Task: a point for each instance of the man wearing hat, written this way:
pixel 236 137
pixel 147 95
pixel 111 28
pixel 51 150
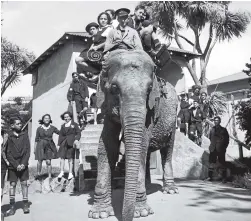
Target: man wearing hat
pixel 82 61
pixel 123 37
pixel 141 23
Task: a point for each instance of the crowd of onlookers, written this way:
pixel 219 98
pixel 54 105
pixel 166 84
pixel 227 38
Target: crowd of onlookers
pixel 192 114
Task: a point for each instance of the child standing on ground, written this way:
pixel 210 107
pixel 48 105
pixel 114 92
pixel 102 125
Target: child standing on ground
pixel 45 148
pixel 18 154
pixel 69 136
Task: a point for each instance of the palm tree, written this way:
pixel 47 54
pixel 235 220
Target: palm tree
pixel 222 24
pixel 13 60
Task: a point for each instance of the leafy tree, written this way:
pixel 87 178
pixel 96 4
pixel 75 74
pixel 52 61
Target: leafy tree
pixel 248 72
pixel 244 118
pixel 18 100
pixel 13 60
pixel 222 24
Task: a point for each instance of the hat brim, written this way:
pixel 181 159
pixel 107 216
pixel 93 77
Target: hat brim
pixel 88 27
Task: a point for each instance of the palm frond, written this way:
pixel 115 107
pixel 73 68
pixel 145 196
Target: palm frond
pixel 234 24
pixel 217 104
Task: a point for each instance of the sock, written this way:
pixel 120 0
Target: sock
pixel 12 199
pixel 25 199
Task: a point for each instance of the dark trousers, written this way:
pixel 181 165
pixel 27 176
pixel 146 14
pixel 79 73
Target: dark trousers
pixel 194 128
pixel 221 156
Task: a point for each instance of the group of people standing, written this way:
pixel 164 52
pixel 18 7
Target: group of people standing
pixel 16 153
pixel 191 118
pixel 192 114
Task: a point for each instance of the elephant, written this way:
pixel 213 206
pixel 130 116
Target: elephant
pixel 133 102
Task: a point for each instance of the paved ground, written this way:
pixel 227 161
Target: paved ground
pixel 197 201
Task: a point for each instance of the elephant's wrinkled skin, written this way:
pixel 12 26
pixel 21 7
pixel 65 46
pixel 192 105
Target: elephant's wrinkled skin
pixel 131 101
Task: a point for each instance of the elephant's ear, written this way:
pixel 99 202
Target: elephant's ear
pixel 154 94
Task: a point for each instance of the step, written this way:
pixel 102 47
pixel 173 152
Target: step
pixel 90 133
pixel 92 127
pixel 94 139
pixel 88 146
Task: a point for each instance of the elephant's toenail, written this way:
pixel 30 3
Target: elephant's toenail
pixel 95 216
pixel 103 215
pixel 136 214
pixel 171 191
pixel 144 213
pixel 90 214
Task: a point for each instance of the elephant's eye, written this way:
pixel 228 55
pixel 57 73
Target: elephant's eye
pixel 114 89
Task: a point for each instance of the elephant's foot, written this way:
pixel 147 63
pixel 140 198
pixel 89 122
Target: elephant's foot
pixel 100 211
pixel 142 210
pixel 170 188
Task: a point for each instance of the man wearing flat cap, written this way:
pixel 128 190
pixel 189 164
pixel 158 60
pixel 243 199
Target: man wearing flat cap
pixel 123 37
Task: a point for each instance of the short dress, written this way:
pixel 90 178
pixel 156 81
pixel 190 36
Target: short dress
pixel 67 136
pixel 46 148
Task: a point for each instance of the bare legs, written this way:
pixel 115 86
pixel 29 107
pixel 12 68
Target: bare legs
pixel 62 164
pixel 84 66
pixel 39 167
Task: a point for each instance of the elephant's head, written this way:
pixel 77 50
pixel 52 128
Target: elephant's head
pixel 131 85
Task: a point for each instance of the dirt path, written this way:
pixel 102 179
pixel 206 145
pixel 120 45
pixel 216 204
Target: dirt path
pixel 197 201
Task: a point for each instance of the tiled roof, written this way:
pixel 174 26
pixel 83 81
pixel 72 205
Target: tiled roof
pixel 81 34
pixel 182 51
pixel 229 78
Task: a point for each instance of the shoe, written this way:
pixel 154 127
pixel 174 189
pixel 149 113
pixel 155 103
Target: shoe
pixel 61 174
pixel 26 208
pixel 11 211
pixel 70 176
pixel 209 179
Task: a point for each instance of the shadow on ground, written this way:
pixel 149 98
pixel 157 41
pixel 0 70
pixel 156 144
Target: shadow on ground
pixel 18 205
pixel 207 192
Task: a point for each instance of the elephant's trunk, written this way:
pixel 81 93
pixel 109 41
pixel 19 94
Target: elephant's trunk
pixel 133 123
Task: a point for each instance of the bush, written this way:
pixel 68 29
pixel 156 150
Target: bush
pixel 244 118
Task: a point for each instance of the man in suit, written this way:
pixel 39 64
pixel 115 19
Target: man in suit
pixel 219 140
pixel 195 127
pixel 79 93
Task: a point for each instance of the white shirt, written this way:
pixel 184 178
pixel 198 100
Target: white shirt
pixel 68 124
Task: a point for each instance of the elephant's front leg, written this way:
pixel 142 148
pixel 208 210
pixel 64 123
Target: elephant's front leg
pixel 107 157
pixel 166 155
pixel 142 209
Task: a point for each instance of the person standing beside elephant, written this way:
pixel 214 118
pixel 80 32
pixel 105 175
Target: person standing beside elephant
pixel 45 148
pixel 79 93
pixel 219 140
pixel 184 115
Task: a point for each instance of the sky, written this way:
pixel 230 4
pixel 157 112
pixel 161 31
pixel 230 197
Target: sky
pixel 37 25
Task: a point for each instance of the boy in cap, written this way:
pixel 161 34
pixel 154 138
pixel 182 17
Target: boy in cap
pixel 140 22
pixel 18 154
pixel 82 61
pixel 123 37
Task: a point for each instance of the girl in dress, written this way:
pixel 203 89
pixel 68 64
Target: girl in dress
pixel 69 136
pixel 45 148
pixel 89 70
